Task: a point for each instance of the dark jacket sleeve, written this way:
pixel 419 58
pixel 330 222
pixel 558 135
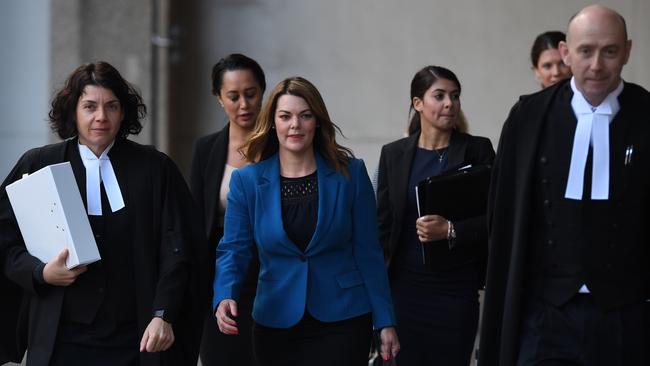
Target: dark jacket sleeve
pixel 473 231
pixel 197 177
pixel 18 265
pixel 384 211
pixel 183 248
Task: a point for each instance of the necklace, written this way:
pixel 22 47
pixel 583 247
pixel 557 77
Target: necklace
pixel 441 156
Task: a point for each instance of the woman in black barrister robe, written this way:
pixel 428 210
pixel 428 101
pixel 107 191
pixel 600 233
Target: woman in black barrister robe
pixel 140 304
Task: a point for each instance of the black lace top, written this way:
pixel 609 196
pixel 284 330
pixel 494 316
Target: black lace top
pixel 300 208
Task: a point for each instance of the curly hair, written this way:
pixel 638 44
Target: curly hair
pixel 264 141
pixel 62 115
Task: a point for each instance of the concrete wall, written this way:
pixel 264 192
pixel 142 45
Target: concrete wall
pixel 43 41
pixel 117 31
pixel 362 55
pixel 24 72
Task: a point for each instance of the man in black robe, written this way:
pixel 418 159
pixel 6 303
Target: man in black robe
pixel 569 213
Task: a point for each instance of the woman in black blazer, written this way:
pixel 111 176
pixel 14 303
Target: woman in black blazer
pixel 238 82
pixel 436 303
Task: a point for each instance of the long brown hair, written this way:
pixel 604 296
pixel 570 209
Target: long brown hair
pixel 264 141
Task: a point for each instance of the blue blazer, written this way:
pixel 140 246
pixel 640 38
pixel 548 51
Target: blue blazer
pixel 341 273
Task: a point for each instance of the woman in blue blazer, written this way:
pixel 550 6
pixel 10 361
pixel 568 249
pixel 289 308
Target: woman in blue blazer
pixel 307 205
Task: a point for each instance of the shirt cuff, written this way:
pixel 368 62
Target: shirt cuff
pixel 38 274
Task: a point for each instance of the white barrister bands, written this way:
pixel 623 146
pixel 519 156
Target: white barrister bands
pixel 100 170
pixel 592 128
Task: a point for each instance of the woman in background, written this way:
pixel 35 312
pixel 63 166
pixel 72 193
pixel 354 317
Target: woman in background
pixel 305 205
pixel 238 82
pixel 141 303
pixel 436 303
pixel 545 57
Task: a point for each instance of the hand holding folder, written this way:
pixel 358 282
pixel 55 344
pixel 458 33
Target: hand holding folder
pixel 455 195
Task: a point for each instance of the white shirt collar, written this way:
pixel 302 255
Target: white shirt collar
pixel 100 170
pixel 592 129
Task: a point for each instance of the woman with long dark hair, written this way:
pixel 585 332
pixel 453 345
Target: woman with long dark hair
pixel 436 303
pixel 238 84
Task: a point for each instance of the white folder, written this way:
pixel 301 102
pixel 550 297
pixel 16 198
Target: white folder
pixel 51 215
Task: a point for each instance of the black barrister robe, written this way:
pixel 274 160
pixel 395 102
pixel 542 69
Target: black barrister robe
pixel 169 255
pixel 617 253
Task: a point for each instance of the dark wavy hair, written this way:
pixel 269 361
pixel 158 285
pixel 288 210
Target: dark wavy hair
pixel 264 141
pixel 64 105
pixel 421 82
pixel 545 41
pixel 236 61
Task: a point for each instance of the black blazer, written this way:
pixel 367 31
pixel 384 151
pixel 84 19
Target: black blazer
pixel 392 195
pixel 208 165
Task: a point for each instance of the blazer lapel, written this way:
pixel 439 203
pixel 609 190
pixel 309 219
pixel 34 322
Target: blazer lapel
pixel 456 150
pixel 402 171
pixel 215 168
pixel 270 207
pixel 328 190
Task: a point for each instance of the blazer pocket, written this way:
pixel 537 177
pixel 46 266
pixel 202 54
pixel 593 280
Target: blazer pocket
pixel 349 279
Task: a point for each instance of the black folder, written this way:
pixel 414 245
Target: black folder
pixel 456 194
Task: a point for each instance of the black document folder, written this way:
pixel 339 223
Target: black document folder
pixel 456 194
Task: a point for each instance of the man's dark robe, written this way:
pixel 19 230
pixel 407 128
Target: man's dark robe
pixel 169 255
pixel 621 279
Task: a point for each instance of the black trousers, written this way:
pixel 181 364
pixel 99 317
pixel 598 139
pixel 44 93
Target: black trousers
pixel 67 354
pixel 314 343
pixel 218 349
pixel 581 333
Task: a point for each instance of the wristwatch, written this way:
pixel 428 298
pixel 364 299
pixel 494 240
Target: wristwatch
pixel 160 313
pixel 451 238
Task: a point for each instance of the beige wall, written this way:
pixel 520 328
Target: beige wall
pixel 362 55
pixel 24 78
pixel 116 31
